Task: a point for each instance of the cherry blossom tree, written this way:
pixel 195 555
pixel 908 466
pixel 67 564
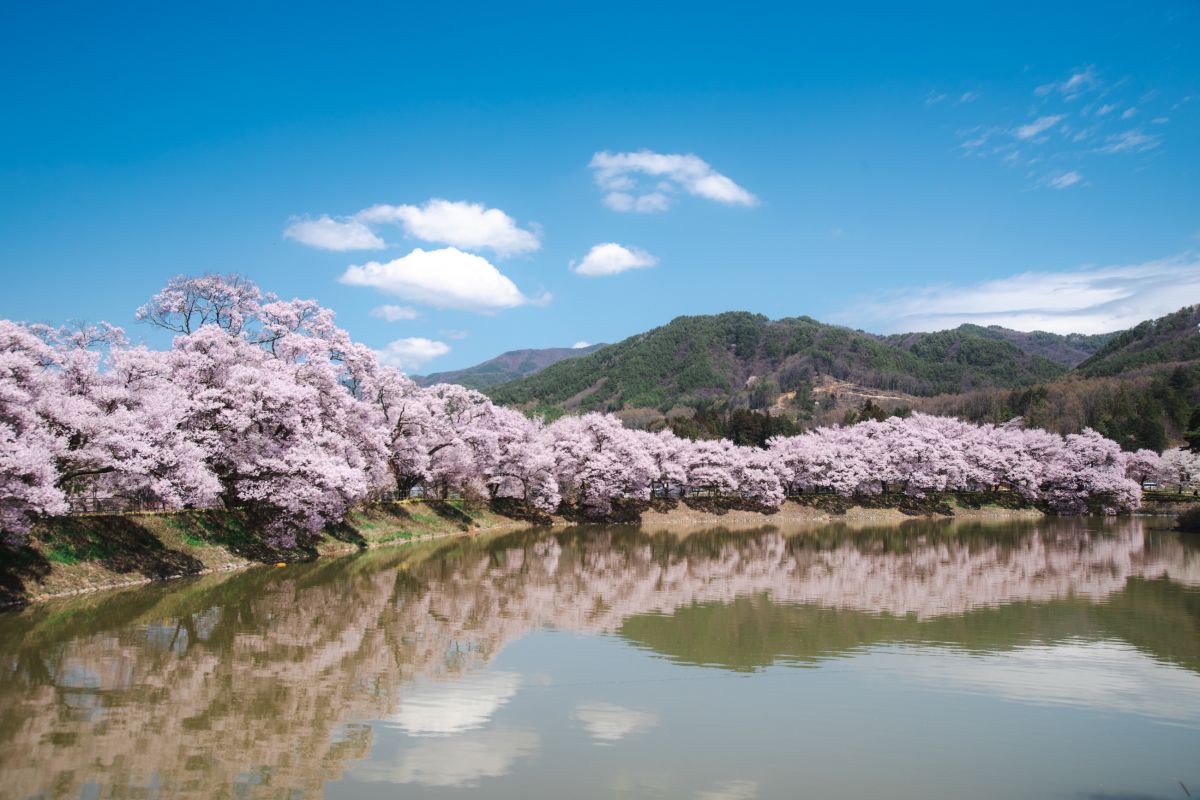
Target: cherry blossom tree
pixel 523 464
pixel 29 448
pixel 598 461
pixel 1090 468
pixel 670 455
pixel 1179 467
pixel 1143 466
pixel 186 304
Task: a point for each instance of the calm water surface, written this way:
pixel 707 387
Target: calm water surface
pixel 930 660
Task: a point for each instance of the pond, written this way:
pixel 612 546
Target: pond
pixel 926 660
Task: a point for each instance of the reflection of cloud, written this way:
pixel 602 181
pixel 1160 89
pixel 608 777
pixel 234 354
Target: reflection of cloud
pixel 1094 675
pixel 460 761
pixel 734 790
pixel 608 723
pixel 444 708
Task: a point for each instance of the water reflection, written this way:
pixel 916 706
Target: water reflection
pixel 271 683
pixel 608 722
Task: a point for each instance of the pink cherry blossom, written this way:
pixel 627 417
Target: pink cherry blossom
pixel 268 405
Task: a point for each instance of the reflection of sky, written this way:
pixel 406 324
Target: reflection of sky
pixel 1097 675
pixel 167 635
pixel 462 760
pixel 608 722
pixel 1077 718
pixel 445 707
pixel 734 790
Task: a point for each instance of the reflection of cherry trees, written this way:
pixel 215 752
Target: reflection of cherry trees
pixel 259 680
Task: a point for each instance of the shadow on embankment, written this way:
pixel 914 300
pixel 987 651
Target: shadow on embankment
pixel 68 554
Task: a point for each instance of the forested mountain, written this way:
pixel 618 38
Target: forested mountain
pixel 1172 339
pixel 505 367
pixel 1068 350
pixel 741 357
pixel 1137 386
pixel 1141 388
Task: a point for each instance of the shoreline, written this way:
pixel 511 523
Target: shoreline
pixel 74 556
pixel 77 555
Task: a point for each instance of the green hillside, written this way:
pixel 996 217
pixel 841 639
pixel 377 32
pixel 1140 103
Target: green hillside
pixel 1068 350
pixel 743 358
pixel 1172 339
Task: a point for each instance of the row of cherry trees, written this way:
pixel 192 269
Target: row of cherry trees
pixel 267 405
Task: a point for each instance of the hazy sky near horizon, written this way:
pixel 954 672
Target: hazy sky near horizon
pixel 459 180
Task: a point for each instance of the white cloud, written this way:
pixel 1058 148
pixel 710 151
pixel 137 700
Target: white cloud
pixel 446 278
pixel 616 173
pixel 933 98
pixel 1064 180
pixel 643 204
pixel 454 333
pixel 326 233
pixel 968 97
pixel 471 226
pixel 608 723
pixel 1073 119
pixel 395 313
pixel 444 708
pixel 1130 142
pixel 1091 300
pixel 460 761
pixel 1072 86
pixel 580 345
pixel 610 258
pixel 411 353
pixel 1038 126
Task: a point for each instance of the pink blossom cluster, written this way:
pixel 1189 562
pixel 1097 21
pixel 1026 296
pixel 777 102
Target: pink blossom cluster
pixel 925 453
pixel 267 405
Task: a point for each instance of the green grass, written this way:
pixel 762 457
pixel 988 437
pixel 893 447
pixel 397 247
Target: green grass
pixel 192 540
pixel 62 554
pixel 78 548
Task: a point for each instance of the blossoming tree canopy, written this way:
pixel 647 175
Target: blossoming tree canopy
pixel 268 405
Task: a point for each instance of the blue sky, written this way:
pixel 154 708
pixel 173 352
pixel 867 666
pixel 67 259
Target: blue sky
pixel 883 167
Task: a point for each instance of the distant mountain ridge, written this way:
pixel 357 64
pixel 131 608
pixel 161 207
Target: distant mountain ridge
pixel 1069 350
pixel 746 358
pixel 1174 338
pixel 505 367
pixel 1136 386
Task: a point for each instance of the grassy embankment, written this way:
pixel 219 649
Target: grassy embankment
pixel 66 555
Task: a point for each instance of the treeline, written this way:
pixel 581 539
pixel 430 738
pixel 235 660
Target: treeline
pixel 268 406
pixel 741 426
pixel 1147 411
